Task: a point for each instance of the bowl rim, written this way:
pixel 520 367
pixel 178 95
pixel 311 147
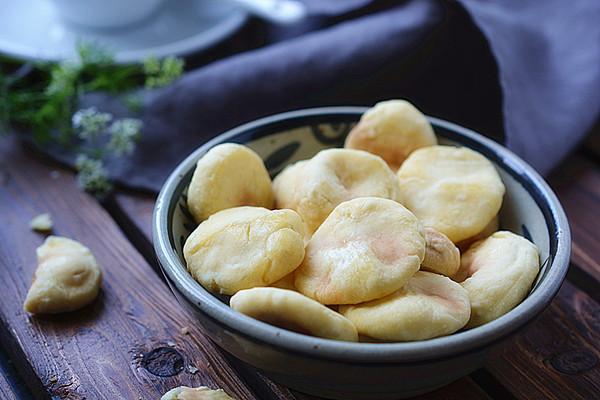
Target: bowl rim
pixel 461 342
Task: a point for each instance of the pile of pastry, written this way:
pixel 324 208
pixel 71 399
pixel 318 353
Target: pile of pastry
pixel 391 238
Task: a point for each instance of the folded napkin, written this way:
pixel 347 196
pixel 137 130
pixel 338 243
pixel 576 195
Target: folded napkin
pixel 523 73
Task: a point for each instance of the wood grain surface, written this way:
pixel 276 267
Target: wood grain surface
pixel 6 391
pixel 120 345
pixel 557 357
pixel 577 185
pixel 104 350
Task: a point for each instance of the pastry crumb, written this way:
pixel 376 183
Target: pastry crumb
pixel 42 222
pixel 185 330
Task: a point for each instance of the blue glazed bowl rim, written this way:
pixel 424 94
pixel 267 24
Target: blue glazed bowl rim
pixel 448 346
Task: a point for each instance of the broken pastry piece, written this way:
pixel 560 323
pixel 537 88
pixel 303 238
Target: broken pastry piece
pixel 199 393
pixel 392 129
pixel 441 255
pixel 67 277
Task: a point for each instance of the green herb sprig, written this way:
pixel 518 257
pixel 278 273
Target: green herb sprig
pixel 39 101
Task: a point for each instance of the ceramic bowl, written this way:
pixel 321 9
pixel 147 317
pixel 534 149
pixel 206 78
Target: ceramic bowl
pixel 335 369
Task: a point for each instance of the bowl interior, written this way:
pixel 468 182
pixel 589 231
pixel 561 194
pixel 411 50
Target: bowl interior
pixel 529 207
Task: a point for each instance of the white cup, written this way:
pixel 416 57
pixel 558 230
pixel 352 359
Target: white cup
pixel 105 13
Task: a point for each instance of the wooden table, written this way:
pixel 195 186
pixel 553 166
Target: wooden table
pixel 130 343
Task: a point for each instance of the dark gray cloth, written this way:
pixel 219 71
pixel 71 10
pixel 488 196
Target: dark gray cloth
pixel 524 73
pixel 548 55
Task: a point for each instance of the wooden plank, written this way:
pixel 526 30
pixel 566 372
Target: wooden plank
pixel 557 357
pixel 11 383
pixel 592 142
pixel 577 185
pixel 138 208
pixel 6 391
pixel 100 351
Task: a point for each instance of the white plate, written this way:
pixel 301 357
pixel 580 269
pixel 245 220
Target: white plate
pixel 31 29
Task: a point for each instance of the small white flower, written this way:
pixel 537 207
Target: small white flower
pixel 90 122
pixel 124 133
